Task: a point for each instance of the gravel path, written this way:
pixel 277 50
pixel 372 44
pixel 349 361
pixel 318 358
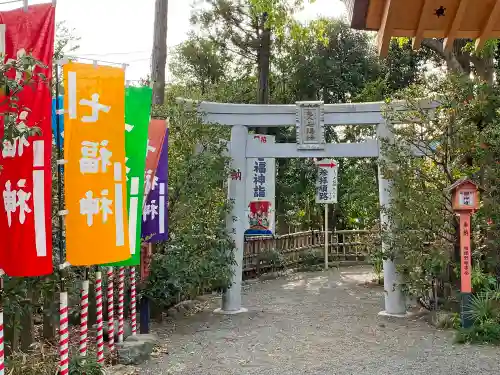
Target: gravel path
pixel 322 323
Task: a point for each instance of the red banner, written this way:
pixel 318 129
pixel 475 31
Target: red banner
pixel 25 180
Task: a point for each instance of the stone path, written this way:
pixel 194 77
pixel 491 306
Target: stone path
pixel 322 323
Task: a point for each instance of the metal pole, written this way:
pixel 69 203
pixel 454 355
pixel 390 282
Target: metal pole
pixel 144 316
pixel 133 301
pixel 111 312
pixel 84 313
pixel 326 236
pixel 144 306
pixel 121 302
pixel 63 296
pixel 2 349
pixel 99 318
pixel 63 334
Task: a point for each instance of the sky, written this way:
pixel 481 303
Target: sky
pixel 121 31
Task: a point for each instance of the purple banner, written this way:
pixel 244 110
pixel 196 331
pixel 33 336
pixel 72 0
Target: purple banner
pixel 155 212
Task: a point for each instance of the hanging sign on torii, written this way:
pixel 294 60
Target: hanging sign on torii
pixel 310 126
pixel 327 181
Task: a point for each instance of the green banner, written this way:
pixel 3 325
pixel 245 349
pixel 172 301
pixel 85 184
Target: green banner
pixel 137 115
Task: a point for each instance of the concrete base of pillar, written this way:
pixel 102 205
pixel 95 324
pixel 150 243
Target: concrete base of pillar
pixel 385 313
pixel 230 312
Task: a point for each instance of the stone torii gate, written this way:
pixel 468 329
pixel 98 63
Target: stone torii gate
pixel 310 119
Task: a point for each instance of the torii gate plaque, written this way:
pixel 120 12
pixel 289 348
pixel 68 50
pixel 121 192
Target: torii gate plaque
pixel 310 119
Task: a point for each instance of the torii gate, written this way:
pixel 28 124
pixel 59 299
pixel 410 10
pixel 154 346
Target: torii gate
pixel 310 119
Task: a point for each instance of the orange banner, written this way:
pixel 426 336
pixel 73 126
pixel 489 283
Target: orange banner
pixel 465 252
pixel 95 178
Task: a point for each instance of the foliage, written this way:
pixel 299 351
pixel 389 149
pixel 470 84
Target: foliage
pixel 445 320
pixel 458 138
pixel 272 258
pixel 311 260
pixel 85 366
pixel 39 362
pixel 484 311
pixel 198 255
pixel 17 75
pixel 199 62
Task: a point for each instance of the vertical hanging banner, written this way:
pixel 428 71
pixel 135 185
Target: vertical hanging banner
pixel 156 135
pixel 95 175
pixel 25 178
pixel 260 191
pixel 155 212
pixel 57 103
pixel 137 113
pixel 327 182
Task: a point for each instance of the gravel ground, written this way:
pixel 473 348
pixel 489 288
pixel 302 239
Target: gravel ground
pixel 318 323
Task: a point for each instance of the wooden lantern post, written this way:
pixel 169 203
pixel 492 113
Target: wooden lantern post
pixel 465 200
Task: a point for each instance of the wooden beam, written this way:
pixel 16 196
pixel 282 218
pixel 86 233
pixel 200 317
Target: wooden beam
pixel 455 25
pixel 488 27
pixel 384 33
pixel 419 34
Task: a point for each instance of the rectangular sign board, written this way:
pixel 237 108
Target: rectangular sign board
pixel 327 181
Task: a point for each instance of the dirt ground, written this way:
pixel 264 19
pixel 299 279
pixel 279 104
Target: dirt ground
pixel 314 323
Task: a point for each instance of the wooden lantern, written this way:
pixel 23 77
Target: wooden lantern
pixel 420 19
pixel 465 195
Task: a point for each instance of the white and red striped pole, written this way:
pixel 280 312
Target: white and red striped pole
pixel 111 312
pixel 121 302
pixel 133 301
pixel 99 318
pixel 2 345
pixel 2 352
pixel 63 334
pixel 84 313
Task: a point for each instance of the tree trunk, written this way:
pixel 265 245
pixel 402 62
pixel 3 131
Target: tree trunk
pixel 159 57
pixel 27 326
pixel 264 66
pixel 49 318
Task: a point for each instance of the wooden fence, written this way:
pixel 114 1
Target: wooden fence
pixel 264 254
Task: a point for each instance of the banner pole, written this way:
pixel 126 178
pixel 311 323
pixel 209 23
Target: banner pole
pixel 99 318
pixel 133 301
pixel 84 312
pixel 326 236
pixel 145 310
pixel 111 313
pixel 121 301
pixel 2 350
pixel 63 296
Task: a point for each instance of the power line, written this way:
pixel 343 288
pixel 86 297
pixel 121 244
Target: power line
pixel 114 53
pixel 10 2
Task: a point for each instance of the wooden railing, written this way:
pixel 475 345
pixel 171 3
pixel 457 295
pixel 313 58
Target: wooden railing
pixel 264 254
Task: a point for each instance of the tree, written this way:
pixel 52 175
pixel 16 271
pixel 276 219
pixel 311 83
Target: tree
pixel 245 31
pixel 465 122
pixel 200 63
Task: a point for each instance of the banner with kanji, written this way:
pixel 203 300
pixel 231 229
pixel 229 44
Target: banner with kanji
pixel 57 104
pixel 156 135
pixel 155 211
pixel 95 176
pixel 260 191
pixel 25 177
pixel 137 113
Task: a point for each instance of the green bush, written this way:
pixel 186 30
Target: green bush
pixel 484 311
pixel 198 255
pixel 273 258
pixel 310 260
pixel 486 332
